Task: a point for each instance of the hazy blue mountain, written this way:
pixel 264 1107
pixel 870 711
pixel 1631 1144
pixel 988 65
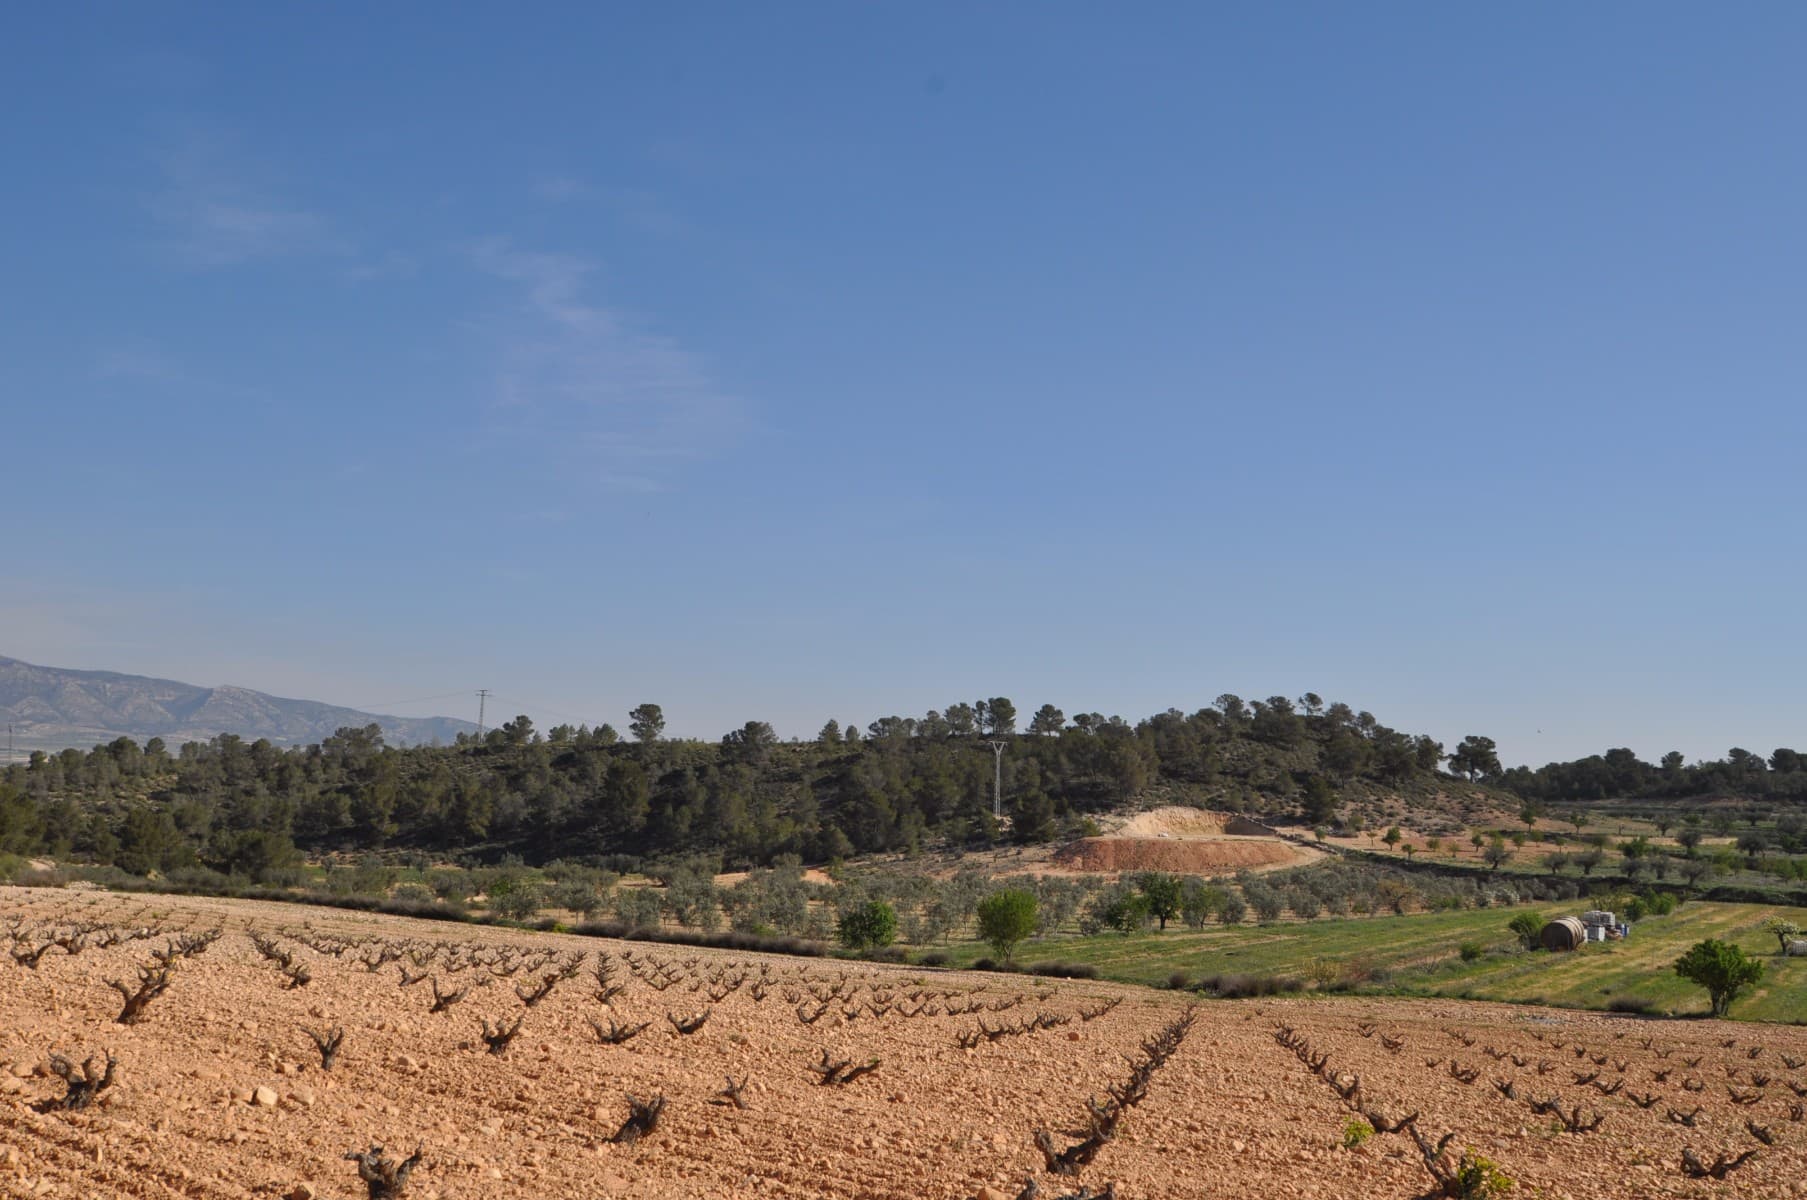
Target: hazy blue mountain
pixel 50 708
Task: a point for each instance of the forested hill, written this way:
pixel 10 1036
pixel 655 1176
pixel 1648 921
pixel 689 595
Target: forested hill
pixel 52 707
pixel 902 783
pixel 1780 777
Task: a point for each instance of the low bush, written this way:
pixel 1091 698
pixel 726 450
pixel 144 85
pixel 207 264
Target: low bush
pixel 1241 987
pixel 1064 970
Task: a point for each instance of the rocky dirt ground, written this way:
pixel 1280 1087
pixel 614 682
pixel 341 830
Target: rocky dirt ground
pixel 220 1095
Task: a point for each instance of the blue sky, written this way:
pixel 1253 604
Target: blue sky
pixel 798 361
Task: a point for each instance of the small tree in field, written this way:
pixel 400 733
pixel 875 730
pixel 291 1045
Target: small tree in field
pixel 1006 918
pixel 516 899
pixel 1785 930
pixel 1720 967
pixel 1162 891
pixel 867 926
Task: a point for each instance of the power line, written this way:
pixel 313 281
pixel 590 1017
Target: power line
pixel 482 700
pixel 997 795
pixel 412 700
pixel 545 708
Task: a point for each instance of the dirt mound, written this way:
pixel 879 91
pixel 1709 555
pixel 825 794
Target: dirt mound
pixel 1195 856
pixel 1179 822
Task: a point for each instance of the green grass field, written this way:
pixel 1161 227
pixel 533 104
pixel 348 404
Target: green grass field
pixel 1419 954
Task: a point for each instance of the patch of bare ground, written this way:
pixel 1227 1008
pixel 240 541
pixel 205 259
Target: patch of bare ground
pixel 841 1079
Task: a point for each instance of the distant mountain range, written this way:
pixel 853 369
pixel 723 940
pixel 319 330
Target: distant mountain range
pixel 50 708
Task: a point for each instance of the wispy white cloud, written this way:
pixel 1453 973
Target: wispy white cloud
pixel 578 374
pixel 214 211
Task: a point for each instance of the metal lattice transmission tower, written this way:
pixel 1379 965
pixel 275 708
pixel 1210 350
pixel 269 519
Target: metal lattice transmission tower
pixel 997 789
pixel 482 702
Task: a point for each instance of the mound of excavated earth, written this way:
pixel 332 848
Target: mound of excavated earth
pixel 219 1093
pixel 1193 857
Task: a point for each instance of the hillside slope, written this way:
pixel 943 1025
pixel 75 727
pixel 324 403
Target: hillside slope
pixel 51 708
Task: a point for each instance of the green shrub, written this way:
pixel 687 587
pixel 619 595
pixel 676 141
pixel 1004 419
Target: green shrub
pixel 1355 1133
pixel 1064 970
pixel 1471 951
pixel 1527 927
pixel 516 900
pixel 1720 967
pixel 579 894
pixel 1480 1178
pixel 867 926
pixel 1242 987
pixel 638 907
pixel 1005 918
pixel 451 885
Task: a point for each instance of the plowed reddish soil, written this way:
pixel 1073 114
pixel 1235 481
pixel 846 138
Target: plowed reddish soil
pixel 1232 1114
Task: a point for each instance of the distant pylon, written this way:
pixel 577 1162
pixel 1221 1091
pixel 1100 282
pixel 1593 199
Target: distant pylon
pixel 482 701
pixel 997 791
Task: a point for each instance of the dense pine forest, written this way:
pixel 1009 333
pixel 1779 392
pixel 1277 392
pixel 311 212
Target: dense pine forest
pixel 1620 774
pixel 900 784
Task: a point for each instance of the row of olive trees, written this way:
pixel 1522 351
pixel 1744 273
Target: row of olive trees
pixel 924 910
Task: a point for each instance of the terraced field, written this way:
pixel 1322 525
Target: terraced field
pixel 1420 953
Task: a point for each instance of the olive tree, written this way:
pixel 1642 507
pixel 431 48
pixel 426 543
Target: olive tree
pixel 1162 892
pixel 867 926
pixel 1785 931
pixel 1722 968
pixel 1006 917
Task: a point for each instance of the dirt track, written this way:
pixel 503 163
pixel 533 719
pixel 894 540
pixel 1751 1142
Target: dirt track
pixel 1233 1113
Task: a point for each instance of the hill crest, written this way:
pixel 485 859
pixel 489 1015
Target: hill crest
pixel 51 708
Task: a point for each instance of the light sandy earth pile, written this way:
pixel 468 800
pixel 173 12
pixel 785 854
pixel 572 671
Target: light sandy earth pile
pixel 220 1094
pixel 1182 840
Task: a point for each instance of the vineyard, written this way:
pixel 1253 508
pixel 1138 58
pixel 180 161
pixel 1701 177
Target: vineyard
pixel 220 1050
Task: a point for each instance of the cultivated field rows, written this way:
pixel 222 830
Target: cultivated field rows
pixel 220 1092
